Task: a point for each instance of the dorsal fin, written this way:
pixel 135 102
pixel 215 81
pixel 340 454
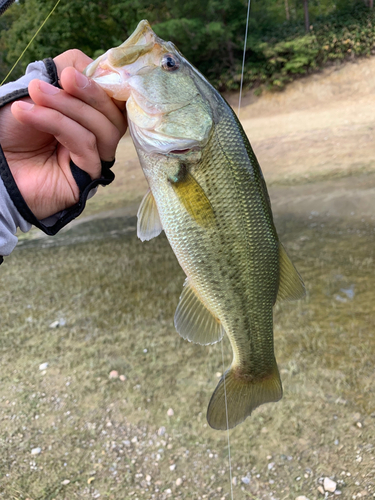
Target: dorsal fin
pixel 149 224
pixel 193 321
pixel 291 286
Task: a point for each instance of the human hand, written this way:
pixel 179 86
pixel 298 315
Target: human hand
pixel 41 134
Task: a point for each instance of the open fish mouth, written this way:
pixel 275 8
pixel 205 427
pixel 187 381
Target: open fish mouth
pixel 141 52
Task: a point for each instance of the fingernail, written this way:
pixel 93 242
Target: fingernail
pixel 46 88
pixel 25 105
pixel 81 80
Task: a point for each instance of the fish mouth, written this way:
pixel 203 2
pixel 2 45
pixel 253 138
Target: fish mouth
pixel 115 68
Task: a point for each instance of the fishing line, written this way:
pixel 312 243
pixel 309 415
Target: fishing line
pixel 226 414
pixel 31 41
pixel 222 348
pixel 243 57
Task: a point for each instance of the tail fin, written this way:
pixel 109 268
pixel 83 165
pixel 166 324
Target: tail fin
pixel 243 395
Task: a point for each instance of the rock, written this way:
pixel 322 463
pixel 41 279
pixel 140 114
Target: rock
pixel 54 324
pixel 122 378
pixel 172 467
pixel 113 374
pixel 168 491
pixel 178 481
pixel 65 482
pixel 245 480
pixel 218 374
pixel 161 431
pixel 43 366
pixel 148 478
pixel 170 412
pixel 234 481
pixel 271 465
pixel 135 439
pixel 302 497
pixel 321 490
pixel 36 451
pixel 329 485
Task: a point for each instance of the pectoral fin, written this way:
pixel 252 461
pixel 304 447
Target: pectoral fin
pixel 149 224
pixel 193 321
pixel 194 199
pixel 291 286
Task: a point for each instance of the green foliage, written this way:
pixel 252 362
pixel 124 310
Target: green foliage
pixel 210 33
pixel 278 59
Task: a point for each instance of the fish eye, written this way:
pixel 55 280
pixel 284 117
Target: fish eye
pixel 170 62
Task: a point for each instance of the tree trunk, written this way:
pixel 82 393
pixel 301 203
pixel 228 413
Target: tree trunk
pixel 371 4
pixel 287 13
pixel 307 20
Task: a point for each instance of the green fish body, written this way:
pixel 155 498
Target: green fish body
pixel 208 194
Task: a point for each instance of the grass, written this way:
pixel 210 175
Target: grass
pixel 112 439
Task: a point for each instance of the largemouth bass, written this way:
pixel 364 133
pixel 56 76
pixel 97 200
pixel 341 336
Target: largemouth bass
pixel 208 194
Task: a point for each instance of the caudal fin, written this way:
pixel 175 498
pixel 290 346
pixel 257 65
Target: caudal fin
pixel 243 395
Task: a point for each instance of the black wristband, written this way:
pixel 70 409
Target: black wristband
pixel 84 183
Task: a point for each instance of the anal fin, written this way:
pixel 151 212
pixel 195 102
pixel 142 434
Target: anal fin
pixel 193 321
pixel 149 225
pixel 291 286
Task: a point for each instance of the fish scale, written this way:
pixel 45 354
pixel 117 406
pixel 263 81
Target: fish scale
pixel 208 194
pixel 231 247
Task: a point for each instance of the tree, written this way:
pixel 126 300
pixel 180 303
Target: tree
pixel 307 20
pixel 287 13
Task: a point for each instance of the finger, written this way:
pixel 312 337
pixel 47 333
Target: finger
pixel 106 133
pixel 85 89
pixel 80 61
pixel 80 142
pixel 73 57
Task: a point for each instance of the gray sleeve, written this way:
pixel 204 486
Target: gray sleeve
pixel 10 218
pixel 34 70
